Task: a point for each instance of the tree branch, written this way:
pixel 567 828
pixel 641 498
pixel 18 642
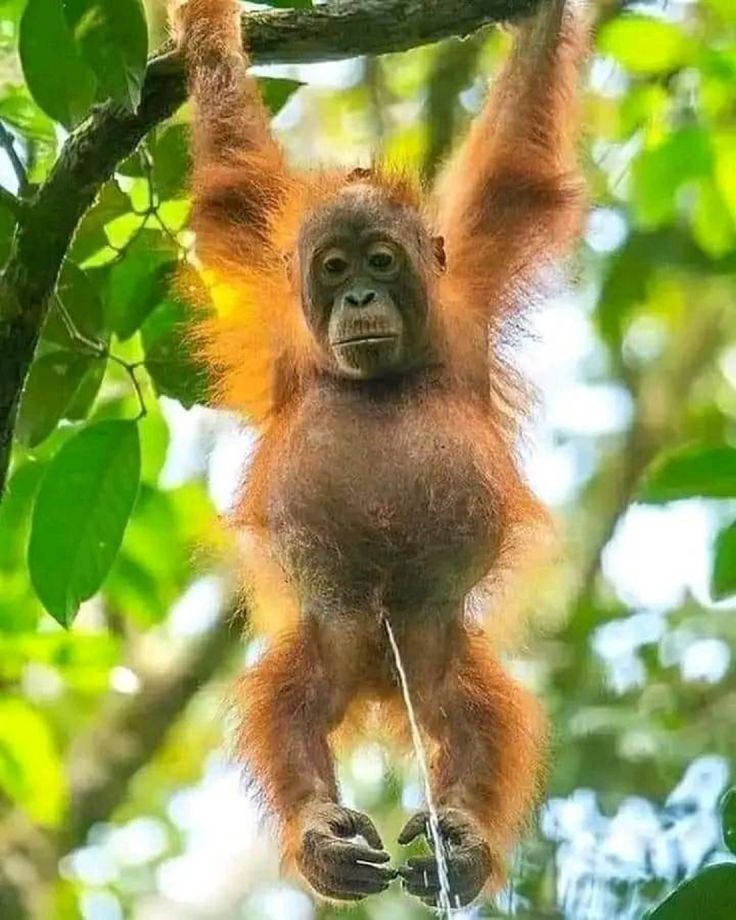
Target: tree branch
pixel 129 730
pixel 91 153
pixel 9 201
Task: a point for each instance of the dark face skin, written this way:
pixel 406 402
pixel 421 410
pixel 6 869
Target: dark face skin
pixel 364 296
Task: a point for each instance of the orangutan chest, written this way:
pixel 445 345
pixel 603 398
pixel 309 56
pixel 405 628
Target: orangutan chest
pixel 382 501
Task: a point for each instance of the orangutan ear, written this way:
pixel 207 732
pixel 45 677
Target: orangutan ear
pixel 438 246
pixel 360 174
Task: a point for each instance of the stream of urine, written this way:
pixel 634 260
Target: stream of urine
pixel 444 903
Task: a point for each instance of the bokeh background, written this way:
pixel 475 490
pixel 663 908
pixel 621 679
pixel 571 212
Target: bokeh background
pixel 117 798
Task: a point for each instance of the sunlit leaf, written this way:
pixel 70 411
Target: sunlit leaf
pixel 725 9
pixel 713 224
pixel 82 659
pixel 112 38
pixel 31 771
pixel 59 80
pixel 695 472
pixel 643 107
pixel 81 513
pixel 90 237
pixel 724 146
pixel 18 109
pixel 175 213
pixel 644 45
pixel 154 444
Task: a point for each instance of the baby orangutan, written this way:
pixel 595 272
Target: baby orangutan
pixel 365 332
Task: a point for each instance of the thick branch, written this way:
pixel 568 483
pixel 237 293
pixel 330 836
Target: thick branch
pixel 91 153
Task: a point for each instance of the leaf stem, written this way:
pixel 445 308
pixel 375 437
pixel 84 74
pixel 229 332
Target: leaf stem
pixel 130 369
pixel 101 351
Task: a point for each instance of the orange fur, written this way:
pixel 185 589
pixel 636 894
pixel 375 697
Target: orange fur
pixel 508 203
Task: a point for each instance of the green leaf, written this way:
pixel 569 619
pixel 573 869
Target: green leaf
pixel 695 472
pixel 112 38
pixel 31 770
pixel 18 109
pixel 83 659
pixel 724 147
pixel 711 895
pixel 59 80
pixel 52 384
pixel 91 237
pixel 82 304
pixel 15 514
pixel 276 92
pixel 169 357
pixel 643 45
pixel 728 818
pixel 170 150
pixel 79 297
pixel 139 282
pixel 81 513
pixel 154 564
pixel 659 174
pixel 713 225
pixel 632 271
pixel 723 579
pixel 85 397
pixel 154 434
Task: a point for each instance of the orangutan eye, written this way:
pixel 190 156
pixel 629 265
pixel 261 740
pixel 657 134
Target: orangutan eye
pixel 383 260
pixel 334 266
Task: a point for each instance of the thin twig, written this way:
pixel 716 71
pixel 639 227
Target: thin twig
pixel 154 202
pixel 130 369
pixel 101 351
pixel 98 349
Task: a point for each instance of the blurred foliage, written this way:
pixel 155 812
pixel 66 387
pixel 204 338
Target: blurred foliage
pixel 110 513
